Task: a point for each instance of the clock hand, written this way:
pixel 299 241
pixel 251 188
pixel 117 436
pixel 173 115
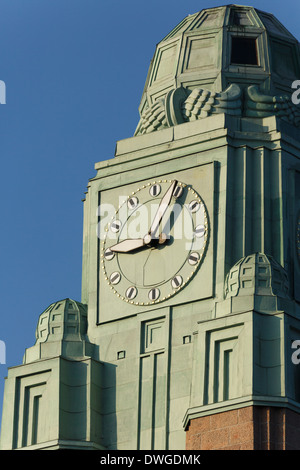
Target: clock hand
pixel 163 206
pixel 126 246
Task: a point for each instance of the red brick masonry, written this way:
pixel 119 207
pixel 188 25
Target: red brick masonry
pixel 249 428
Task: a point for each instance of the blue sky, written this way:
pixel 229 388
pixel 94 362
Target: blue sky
pixel 74 72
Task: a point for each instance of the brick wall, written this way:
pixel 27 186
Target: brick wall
pixel 249 428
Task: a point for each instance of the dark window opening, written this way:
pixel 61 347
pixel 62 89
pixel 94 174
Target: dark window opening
pixel 243 51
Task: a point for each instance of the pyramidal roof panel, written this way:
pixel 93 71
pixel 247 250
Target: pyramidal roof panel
pixel 273 25
pixel 182 27
pixel 234 15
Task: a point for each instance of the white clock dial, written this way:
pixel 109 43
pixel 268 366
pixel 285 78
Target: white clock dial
pixel 155 242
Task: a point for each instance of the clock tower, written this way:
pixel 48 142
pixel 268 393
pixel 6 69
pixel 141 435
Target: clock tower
pixel 186 333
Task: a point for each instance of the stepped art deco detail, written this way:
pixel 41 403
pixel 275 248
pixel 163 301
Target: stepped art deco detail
pixel 185 333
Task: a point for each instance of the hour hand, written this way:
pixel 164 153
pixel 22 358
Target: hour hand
pixel 125 246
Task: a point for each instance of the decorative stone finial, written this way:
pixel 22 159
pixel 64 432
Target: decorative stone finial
pixel 258 274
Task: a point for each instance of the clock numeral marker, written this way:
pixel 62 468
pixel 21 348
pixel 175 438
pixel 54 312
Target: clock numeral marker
pixel 131 293
pixel 178 191
pixel 132 202
pixel 154 294
pixel 108 254
pixel 194 206
pixel 115 278
pixel 155 190
pixel 200 231
pixel 115 226
pixel 194 258
pixel 176 282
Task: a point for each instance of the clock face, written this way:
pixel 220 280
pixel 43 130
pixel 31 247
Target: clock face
pixel 155 242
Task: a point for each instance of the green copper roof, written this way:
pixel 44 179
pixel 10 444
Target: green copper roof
pixel 228 15
pixel 230 59
pixel 215 48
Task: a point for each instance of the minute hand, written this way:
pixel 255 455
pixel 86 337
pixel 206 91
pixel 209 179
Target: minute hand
pixel 164 204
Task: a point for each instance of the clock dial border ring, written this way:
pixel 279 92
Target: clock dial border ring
pixel 198 253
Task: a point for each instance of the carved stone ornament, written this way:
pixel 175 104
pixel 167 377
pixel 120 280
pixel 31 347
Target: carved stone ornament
pixel 182 105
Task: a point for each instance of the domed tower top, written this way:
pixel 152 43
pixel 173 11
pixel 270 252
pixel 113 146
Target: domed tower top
pixel 61 330
pixel 258 274
pixel 217 47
